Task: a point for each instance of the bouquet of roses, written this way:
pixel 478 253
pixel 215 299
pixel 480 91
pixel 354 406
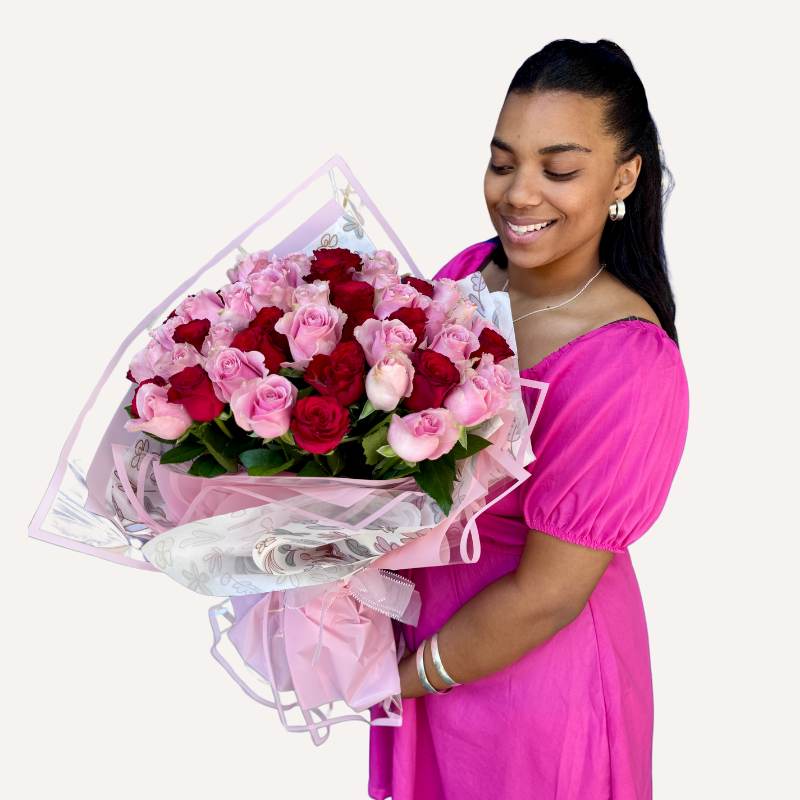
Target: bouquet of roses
pixel 289 439
pixel 322 366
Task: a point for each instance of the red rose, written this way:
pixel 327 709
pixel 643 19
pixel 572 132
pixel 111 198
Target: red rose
pixel 319 423
pixel 193 388
pixel 490 341
pixel 434 376
pixel 413 318
pixel 356 299
pixel 193 332
pixel 261 335
pixel 423 287
pixel 333 264
pixel 157 380
pixel 340 374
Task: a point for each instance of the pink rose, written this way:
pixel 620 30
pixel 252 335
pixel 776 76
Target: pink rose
pixel 181 356
pixel 316 292
pixel 310 329
pixel 463 312
pixel 219 335
pixel 455 341
pixel 446 295
pixel 390 379
pixel 238 307
pixel 399 295
pixel 299 261
pixel 264 405
pixel 422 435
pixel 379 269
pixel 501 380
pixel 378 336
pixel 204 305
pixel 275 284
pixel 249 264
pixel 471 401
pixel 143 363
pixel 157 415
pixel 229 368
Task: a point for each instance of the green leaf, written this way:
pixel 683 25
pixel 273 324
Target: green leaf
pixel 372 441
pixel 288 437
pixel 183 452
pixel 367 410
pixel 129 409
pixel 216 442
pixel 262 462
pixel 386 450
pixel 335 462
pixel 462 437
pixel 312 470
pixel 289 372
pixel 437 478
pixel 474 445
pixel 305 392
pixel 206 467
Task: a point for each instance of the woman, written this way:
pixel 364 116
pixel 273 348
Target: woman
pixel 546 632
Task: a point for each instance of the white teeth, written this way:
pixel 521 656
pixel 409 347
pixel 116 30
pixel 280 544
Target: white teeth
pixel 526 228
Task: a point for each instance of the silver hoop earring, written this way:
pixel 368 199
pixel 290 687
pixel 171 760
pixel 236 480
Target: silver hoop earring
pixel 616 211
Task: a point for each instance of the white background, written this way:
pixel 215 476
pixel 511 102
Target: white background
pixel 139 138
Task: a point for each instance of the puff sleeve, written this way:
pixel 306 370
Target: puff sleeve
pixel 609 437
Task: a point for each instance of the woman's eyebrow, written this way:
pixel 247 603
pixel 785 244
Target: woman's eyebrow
pixel 566 147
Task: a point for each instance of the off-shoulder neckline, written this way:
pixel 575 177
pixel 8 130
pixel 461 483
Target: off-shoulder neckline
pixel 632 320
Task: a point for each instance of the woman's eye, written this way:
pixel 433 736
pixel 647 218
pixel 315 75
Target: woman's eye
pixel 558 176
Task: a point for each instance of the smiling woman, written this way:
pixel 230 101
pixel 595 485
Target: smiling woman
pixel 545 636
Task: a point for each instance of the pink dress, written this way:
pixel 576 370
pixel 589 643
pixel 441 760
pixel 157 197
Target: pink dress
pixel 573 718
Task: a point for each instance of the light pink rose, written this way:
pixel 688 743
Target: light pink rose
pixel 463 312
pixel 501 380
pixel 264 405
pixel 143 364
pixel 219 335
pixel 379 269
pixel 163 333
pixel 312 328
pixel 446 296
pixel 478 323
pixel 299 261
pixel 379 336
pixel 238 307
pixel 471 401
pixel 230 367
pixel 399 295
pixel 455 341
pixel 390 379
pixel 275 284
pixel 316 292
pixel 422 435
pixel 181 356
pixel 249 264
pixel 157 415
pixel 204 305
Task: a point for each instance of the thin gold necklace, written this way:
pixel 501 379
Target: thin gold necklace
pixel 550 308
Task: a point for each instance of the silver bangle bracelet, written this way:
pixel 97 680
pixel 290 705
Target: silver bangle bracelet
pixel 429 687
pixel 437 662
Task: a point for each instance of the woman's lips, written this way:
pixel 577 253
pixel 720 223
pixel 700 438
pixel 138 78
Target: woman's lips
pixel 526 238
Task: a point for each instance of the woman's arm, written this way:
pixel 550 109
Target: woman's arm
pixel 513 614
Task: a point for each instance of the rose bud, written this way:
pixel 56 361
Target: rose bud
pixel 390 379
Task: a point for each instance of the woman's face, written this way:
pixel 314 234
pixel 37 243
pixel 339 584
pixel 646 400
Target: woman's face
pixel 550 160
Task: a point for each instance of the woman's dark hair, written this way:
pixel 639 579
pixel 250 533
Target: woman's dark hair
pixel 633 247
